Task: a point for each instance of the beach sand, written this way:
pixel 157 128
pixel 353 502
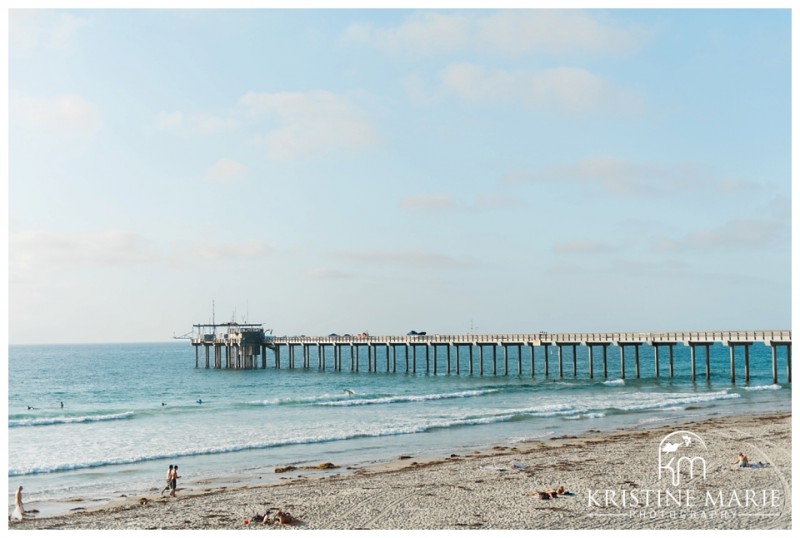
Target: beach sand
pixel 495 489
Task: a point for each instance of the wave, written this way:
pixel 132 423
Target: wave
pixel 582 416
pixel 406 398
pixel 595 407
pixel 531 438
pixel 674 400
pixel 301 400
pixel 401 430
pixel 764 387
pixel 48 421
pixel 614 382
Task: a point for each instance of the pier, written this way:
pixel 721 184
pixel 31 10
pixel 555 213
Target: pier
pixel 249 346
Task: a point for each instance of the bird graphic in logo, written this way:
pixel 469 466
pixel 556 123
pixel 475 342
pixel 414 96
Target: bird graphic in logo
pixel 681 451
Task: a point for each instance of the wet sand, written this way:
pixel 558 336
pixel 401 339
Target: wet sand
pixel 613 477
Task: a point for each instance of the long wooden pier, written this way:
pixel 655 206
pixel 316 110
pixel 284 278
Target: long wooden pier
pixel 240 346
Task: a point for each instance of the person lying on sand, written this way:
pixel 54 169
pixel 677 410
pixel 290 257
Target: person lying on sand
pixel 284 518
pixel 262 518
pixel 278 518
pixel 553 493
pixel 741 461
pixel 548 494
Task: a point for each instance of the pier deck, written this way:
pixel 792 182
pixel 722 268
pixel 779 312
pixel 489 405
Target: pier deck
pixel 241 344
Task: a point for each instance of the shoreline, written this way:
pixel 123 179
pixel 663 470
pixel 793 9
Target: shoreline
pixel 496 488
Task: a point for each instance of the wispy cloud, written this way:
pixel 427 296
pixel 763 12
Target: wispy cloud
pixel 63 113
pixel 226 171
pixel 326 272
pixel 32 30
pixel 310 123
pixel 623 177
pixel 567 90
pixel 508 32
pixel 37 251
pixel 422 33
pixel 734 234
pixel 545 31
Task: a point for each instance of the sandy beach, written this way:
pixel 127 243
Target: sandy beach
pixel 613 478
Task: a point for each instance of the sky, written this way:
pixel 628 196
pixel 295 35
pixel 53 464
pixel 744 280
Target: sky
pixel 347 170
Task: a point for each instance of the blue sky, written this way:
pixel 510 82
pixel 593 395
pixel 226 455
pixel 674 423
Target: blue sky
pixel 385 170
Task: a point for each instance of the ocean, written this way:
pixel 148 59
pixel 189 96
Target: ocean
pixel 131 410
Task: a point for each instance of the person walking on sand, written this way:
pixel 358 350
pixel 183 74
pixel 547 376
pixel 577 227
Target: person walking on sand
pixel 19 508
pixel 169 481
pixel 174 484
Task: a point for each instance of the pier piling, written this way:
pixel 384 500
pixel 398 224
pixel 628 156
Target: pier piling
pixel 240 345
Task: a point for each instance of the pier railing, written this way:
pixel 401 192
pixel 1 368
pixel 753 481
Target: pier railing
pixel 239 348
pixel 540 338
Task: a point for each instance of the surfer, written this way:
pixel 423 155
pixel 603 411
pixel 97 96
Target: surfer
pixel 199 401
pixel 349 392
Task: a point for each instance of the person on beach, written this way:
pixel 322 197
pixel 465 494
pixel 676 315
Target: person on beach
pixel 19 508
pixel 742 461
pixel 174 483
pixel 169 481
pixel 284 518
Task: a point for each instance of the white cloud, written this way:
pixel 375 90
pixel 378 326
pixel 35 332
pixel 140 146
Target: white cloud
pixel 423 33
pixel 37 251
pixel 623 177
pixel 508 32
pixel 567 90
pixel 227 171
pixel 555 32
pixel 309 123
pixel 38 29
pixel 325 272
pixel 735 234
pixel 69 113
